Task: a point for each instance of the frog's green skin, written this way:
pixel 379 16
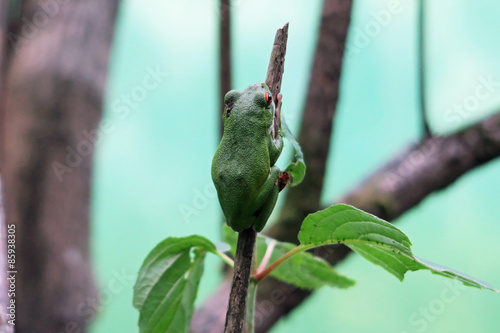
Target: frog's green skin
pixel 243 169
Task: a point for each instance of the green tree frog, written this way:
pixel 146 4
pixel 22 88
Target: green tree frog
pixel 243 170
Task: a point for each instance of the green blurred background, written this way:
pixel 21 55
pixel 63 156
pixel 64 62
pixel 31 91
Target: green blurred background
pixel 152 176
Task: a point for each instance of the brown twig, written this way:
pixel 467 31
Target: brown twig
pixel 235 317
pixel 224 56
pixel 277 62
pixel 421 53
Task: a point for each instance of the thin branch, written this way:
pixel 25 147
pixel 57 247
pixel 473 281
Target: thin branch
pixel 269 269
pixel 224 56
pixel 421 50
pixel 277 62
pixel 267 257
pixel 224 257
pixel 235 317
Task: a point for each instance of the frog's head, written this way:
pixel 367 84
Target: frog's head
pixel 252 105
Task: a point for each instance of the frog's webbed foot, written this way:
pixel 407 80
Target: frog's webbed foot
pixel 283 180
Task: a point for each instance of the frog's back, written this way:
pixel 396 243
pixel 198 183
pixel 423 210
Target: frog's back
pixel 239 171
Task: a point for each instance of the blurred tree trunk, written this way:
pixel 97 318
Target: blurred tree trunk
pixel 54 96
pixel 5 327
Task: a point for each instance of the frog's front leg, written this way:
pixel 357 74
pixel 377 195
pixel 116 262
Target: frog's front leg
pixel 264 203
pixel 275 148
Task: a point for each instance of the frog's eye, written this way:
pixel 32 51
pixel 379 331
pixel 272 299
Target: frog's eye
pixel 228 107
pixel 269 98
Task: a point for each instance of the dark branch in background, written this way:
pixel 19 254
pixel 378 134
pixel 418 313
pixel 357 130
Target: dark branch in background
pixel 224 56
pixel 429 166
pixel 54 96
pixel 422 84
pixel 315 140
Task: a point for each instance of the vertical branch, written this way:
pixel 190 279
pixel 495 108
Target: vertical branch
pixel 277 62
pixel 236 309
pixel 224 56
pixel 421 50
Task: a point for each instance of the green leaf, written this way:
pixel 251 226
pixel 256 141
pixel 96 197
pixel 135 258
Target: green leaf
pixel 296 169
pixel 376 240
pixel 167 284
pixel 303 270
